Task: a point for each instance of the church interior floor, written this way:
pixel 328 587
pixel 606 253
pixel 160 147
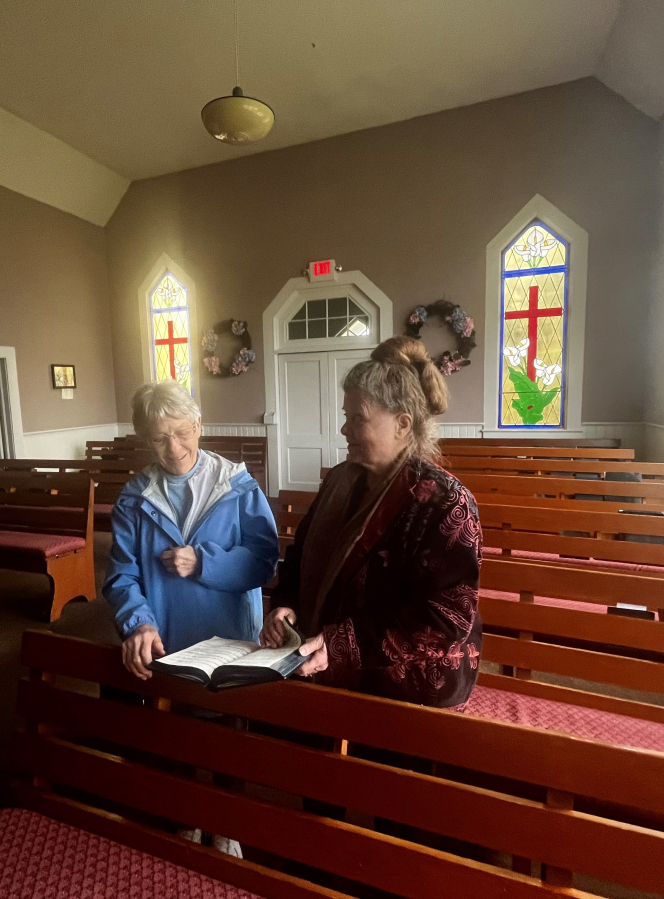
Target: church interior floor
pixel 23 604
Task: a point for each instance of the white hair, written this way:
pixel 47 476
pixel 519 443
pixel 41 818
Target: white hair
pixel 158 400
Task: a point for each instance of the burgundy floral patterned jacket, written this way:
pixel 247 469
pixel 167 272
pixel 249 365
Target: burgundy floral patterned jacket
pixel 401 618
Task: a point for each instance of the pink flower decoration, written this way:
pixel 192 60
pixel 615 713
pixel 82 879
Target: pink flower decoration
pixel 468 326
pixel 212 365
pixel 424 490
pixel 414 319
pixel 449 365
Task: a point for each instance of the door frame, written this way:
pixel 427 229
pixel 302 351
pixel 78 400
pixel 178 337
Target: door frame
pixel 330 383
pixel 274 343
pixel 8 353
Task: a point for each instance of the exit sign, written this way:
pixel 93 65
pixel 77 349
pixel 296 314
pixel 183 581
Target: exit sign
pixel 322 271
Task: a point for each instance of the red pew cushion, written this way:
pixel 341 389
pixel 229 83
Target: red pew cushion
pixel 43 858
pixel 44 545
pixel 620 730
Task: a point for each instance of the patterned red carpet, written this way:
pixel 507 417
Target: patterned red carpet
pixel 501 705
pixel 43 859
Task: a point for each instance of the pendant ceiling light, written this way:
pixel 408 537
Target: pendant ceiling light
pixel 237 119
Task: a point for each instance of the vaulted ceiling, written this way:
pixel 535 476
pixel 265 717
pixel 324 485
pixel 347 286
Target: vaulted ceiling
pixel 123 82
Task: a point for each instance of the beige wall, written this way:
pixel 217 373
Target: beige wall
pixel 54 308
pixel 654 400
pixel 413 206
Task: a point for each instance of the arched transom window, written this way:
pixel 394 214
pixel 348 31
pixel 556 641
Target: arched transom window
pixel 534 279
pixel 335 317
pixel 171 349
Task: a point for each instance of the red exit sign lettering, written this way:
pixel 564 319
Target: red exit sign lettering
pixel 322 271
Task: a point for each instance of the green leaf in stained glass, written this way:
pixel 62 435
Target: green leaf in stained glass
pixel 532 400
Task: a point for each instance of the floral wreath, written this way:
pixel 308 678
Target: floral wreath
pixel 241 360
pixel 461 324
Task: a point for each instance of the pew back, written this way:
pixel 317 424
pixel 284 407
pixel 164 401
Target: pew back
pixel 515 466
pixel 650 492
pixel 574 532
pixel 250 450
pixel 595 442
pixel 540 452
pixel 57 504
pixel 567 803
pixel 536 529
pixel 109 475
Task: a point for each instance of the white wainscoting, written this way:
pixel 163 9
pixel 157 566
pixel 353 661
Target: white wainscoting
pixel 467 430
pixel 212 430
pixel 64 443
pixel 234 430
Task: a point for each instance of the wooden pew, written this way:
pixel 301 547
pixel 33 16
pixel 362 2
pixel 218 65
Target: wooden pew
pixel 538 452
pixel 564 802
pixel 534 530
pixel 541 530
pixel 530 641
pixel 250 450
pixel 112 470
pixel 458 464
pixel 563 580
pixel 46 527
pixel 109 476
pixel 596 442
pixel 608 495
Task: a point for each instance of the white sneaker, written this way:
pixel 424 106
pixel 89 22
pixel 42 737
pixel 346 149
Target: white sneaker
pixel 193 835
pixel 230 847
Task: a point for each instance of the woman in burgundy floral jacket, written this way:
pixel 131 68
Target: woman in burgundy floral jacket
pixel 383 573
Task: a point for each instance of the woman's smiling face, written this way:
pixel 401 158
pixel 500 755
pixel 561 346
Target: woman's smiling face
pixel 174 441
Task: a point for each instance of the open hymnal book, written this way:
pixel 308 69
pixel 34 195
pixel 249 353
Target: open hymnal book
pixel 220 663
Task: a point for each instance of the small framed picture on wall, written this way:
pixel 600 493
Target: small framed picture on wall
pixel 63 376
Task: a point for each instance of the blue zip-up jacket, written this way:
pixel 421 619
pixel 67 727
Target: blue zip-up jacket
pixel 233 532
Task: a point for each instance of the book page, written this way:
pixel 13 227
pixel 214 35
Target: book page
pixel 210 654
pixel 270 658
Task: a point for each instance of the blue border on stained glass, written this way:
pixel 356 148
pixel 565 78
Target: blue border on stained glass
pixel 517 274
pixel 154 312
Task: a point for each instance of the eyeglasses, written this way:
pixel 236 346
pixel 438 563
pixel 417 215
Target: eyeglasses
pixel 179 436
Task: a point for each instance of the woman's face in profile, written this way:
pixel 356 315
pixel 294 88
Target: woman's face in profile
pixel 375 438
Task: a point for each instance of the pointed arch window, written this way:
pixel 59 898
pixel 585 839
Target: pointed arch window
pixel 171 333
pixel 534 298
pixel 534 325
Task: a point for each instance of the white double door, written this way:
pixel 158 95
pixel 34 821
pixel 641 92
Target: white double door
pixel 311 414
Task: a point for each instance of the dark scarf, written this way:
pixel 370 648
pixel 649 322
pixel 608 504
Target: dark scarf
pixel 345 508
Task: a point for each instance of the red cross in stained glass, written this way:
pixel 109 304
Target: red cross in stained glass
pixel 171 342
pixel 533 313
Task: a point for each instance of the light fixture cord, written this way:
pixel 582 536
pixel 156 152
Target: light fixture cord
pixel 237 51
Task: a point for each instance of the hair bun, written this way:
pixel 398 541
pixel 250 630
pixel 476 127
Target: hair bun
pixel 411 352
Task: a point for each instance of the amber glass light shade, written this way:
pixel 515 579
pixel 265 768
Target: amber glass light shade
pixel 237 119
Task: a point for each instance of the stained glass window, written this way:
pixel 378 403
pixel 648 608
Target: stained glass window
pixel 535 272
pixel 333 317
pixel 171 350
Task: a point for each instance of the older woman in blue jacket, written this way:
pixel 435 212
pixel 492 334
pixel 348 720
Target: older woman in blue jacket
pixel 194 539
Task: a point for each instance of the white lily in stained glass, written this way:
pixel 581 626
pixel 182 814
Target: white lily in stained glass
pixel 536 246
pixel 181 371
pixel 547 373
pixel 514 354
